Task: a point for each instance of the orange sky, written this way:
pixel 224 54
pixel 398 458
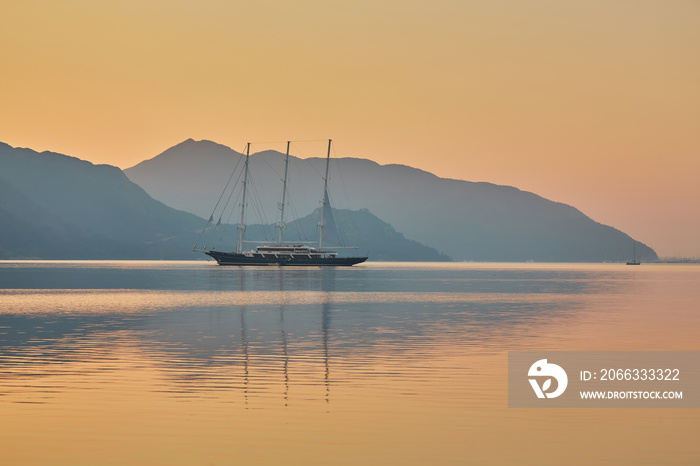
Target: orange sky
pixel 591 103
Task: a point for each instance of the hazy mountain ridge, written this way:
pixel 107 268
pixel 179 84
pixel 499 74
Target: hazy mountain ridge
pixel 466 220
pixel 27 227
pixel 95 197
pixel 59 207
pixel 54 206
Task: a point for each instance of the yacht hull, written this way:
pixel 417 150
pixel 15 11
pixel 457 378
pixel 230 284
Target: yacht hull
pixel 232 258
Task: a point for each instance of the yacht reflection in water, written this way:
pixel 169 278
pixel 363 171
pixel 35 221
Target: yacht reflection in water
pixel 283 335
pixel 259 350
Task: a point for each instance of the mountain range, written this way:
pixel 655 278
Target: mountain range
pixel 467 221
pixel 53 206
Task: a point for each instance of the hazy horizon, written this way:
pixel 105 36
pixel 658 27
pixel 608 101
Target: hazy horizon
pixel 593 104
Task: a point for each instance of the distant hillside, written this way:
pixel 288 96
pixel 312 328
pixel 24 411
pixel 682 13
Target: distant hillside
pixel 57 207
pixel 28 230
pixel 465 220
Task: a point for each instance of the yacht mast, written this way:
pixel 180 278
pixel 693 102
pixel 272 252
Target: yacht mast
pixel 241 224
pixel 323 201
pixel 281 224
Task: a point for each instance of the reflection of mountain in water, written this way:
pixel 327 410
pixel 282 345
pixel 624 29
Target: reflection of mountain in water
pixel 350 321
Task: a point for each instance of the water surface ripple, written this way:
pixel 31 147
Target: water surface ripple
pixel 383 363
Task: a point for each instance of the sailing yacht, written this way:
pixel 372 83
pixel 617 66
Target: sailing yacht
pixel 285 254
pixel 634 260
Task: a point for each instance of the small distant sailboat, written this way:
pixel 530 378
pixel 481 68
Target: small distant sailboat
pixel 634 260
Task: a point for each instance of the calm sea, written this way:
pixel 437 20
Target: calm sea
pixel 382 363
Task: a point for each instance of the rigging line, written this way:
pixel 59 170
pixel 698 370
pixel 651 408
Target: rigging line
pixel 259 147
pixel 211 216
pixel 285 141
pixel 256 201
pixel 300 188
pixel 297 223
pixel 296 149
pixel 343 188
pixel 209 238
pixel 253 200
pixel 236 202
pixel 233 189
pixel 306 159
pixel 259 215
pixel 199 239
pixel 264 220
pixel 218 223
pixel 243 150
pixel 335 164
pixel 336 220
pixel 271 167
pixel 227 222
pixel 354 230
pixel 338 228
pixel 253 149
pixel 226 187
pixel 314 168
pixel 351 220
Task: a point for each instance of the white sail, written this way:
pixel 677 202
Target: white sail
pixel 330 229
